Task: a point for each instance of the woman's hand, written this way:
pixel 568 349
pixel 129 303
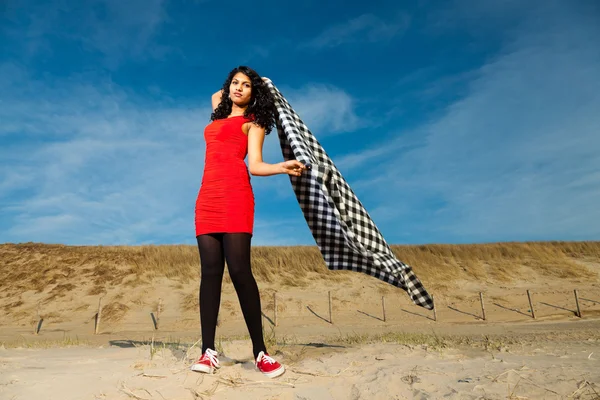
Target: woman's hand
pixel 292 167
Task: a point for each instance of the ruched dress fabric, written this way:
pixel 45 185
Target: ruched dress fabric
pixel 225 202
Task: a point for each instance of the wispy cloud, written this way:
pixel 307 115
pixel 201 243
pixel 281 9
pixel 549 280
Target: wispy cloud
pixel 117 30
pixel 288 230
pixel 100 164
pixel 91 163
pixel 402 143
pixel 325 109
pixel 364 28
pixel 516 158
pixel 125 28
pixel 493 137
pixel 483 16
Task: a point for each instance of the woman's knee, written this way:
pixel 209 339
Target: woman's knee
pixel 241 276
pixel 214 270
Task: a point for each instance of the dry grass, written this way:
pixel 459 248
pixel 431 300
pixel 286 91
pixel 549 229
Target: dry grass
pixel 11 307
pixel 500 261
pixel 231 307
pixel 114 312
pixel 495 343
pixel 57 270
pixel 189 302
pixel 66 341
pixel 53 317
pixel 83 307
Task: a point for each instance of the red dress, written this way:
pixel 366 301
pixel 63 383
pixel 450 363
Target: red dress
pixel 225 202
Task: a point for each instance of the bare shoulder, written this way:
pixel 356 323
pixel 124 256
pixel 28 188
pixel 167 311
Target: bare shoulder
pixel 252 126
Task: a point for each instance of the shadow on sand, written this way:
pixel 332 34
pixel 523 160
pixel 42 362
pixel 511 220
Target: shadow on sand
pixel 369 315
pixel 268 318
pixel 512 309
pixel 317 315
pixel 558 307
pixel 417 314
pixel 466 313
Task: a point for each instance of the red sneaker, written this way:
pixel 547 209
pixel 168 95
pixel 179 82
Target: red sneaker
pixel 207 363
pixel 268 366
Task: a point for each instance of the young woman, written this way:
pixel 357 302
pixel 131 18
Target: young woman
pixel 243 113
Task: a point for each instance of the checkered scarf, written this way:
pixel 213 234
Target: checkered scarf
pixel 345 234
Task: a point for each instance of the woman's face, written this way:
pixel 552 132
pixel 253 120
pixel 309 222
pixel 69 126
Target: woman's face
pixel 240 90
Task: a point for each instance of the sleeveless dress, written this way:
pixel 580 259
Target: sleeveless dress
pixel 225 202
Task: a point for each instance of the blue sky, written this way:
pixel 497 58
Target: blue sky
pixel 453 121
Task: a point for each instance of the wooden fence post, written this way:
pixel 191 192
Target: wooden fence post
pixel 40 320
pixel 330 317
pixel 383 306
pixel 577 303
pixel 275 309
pixel 158 311
pixel 434 312
pixel 530 304
pixel 482 305
pixel 98 316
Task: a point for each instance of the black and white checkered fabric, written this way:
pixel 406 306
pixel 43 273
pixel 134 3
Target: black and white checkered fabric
pixel 345 234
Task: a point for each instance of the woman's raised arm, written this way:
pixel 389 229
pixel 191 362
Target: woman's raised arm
pixel 216 99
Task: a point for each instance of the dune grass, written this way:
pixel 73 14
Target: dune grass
pixel 56 270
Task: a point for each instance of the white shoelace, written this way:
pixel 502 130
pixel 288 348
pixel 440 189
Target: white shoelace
pixel 266 358
pixel 212 356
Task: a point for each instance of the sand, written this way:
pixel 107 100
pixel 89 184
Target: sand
pixel 315 370
pixel 409 355
pixel 510 355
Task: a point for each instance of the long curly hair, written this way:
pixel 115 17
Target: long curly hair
pixel 261 108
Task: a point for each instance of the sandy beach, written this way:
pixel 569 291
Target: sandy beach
pixel 148 334
pixel 514 366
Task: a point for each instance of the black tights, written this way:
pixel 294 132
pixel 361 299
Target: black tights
pixel 234 248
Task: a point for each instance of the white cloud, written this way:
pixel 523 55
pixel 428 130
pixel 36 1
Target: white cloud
pixel 126 29
pixel 364 28
pixel 325 109
pixel 370 156
pixel 517 157
pixel 86 163
pixel 116 29
pixel 97 164
pixel 287 231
